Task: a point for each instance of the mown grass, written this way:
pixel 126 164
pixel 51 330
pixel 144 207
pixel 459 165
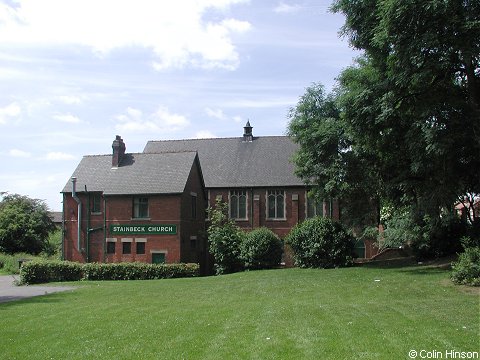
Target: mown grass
pixel 355 313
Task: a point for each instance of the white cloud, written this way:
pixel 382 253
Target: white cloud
pixel 215 113
pixel 59 156
pixel 67 118
pixel 220 115
pixel 160 121
pixel 176 31
pixel 10 111
pixel 283 8
pixel 69 100
pixel 19 153
pixel 205 134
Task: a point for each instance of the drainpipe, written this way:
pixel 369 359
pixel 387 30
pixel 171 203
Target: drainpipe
pixel 79 225
pixel 104 228
pixel 63 227
pixel 87 241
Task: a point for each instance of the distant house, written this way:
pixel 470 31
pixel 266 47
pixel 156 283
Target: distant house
pixel 56 217
pixel 123 201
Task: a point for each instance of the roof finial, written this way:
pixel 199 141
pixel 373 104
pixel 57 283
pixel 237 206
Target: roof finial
pixel 247 132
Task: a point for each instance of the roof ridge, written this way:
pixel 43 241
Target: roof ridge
pixel 144 153
pixel 169 152
pixel 218 138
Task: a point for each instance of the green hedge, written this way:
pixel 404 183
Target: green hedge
pixel 36 272
pixel 138 271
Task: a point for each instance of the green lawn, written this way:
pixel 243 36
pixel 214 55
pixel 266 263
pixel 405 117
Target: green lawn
pixel 355 313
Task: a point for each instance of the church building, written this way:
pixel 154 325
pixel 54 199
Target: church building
pixel 151 206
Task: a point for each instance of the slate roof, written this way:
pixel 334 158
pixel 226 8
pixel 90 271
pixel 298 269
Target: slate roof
pixel 165 173
pixel 231 162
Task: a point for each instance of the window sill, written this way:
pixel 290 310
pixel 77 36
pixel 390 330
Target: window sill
pixel 240 220
pixel 272 219
pixel 96 213
pixel 141 219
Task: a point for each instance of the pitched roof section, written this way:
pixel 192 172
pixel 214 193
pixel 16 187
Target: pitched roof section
pixel 165 173
pixel 232 162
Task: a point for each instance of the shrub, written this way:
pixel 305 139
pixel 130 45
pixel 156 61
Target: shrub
pixel 138 271
pixel 321 243
pixel 440 237
pixel 224 240
pixel 466 271
pixel 37 271
pixel 261 249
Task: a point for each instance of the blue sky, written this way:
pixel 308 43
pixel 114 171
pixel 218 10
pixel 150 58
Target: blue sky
pixel 73 74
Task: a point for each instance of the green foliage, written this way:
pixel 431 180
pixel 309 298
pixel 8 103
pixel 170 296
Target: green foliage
pixel 439 237
pixel 25 225
pixel 411 104
pixel 138 271
pixel 261 249
pixel 9 263
pixel 321 243
pixel 326 159
pixel 466 271
pixel 224 240
pixel 403 126
pixel 53 245
pixel 400 230
pixel 428 237
pixel 36 272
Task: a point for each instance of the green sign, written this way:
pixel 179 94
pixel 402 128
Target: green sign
pixel 134 229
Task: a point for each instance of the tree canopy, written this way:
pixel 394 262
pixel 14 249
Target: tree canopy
pixel 25 224
pixel 406 121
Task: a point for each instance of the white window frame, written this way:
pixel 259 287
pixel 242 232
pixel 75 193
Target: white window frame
pixel 277 193
pixel 230 195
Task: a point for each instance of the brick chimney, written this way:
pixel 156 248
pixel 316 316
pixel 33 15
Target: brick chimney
pixel 118 147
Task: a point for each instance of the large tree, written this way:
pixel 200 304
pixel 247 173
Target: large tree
pixel 408 110
pixel 25 224
pixel 412 100
pixel 328 158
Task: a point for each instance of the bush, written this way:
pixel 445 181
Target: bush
pixel 466 271
pixel 321 243
pixel 224 240
pixel 261 249
pixel 138 271
pixel 36 272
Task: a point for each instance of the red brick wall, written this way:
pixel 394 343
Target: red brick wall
pixel 163 209
pixel 295 201
pixel 193 239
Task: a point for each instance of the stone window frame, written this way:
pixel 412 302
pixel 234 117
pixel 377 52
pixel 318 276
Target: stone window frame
pixel 277 194
pixel 235 193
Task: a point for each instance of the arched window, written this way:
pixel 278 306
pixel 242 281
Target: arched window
pixel 276 204
pixel 238 204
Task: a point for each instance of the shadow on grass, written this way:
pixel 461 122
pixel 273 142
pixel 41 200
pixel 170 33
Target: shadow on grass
pixel 7 302
pixel 409 265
